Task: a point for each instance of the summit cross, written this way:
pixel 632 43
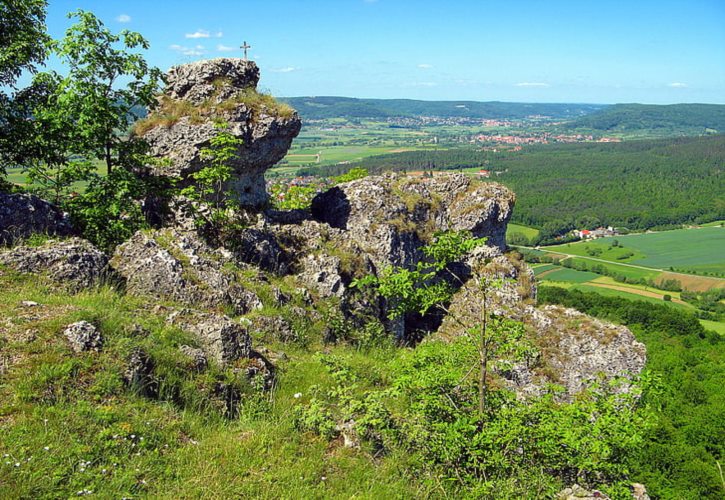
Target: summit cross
pixel 245 47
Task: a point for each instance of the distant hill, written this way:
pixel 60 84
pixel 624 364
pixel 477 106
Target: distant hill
pixel 316 108
pixel 629 117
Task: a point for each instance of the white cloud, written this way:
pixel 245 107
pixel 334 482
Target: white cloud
pixel 425 66
pixel 677 85
pixel 532 84
pixel 197 50
pixel 288 69
pixel 124 18
pixel 219 34
pixel 198 34
pixel 225 48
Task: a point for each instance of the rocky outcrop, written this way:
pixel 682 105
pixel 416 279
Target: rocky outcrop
pixel 577 350
pixel 202 93
pixel 74 263
pixel 180 266
pixel 222 339
pixel 572 349
pixel 83 336
pixel 391 216
pixel 22 215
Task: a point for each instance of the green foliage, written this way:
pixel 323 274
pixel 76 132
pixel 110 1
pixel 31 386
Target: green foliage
pixel 677 458
pixel 100 109
pixel 285 197
pixel 417 290
pixel 428 411
pixel 109 211
pixel 209 182
pixel 352 175
pixel 23 40
pixel 674 117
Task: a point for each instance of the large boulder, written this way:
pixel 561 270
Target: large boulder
pixel 392 216
pixel 73 263
pixel 221 338
pixel 22 215
pixel 178 265
pixel 571 349
pixel 200 94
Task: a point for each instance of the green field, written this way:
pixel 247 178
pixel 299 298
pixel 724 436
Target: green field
pixel 529 232
pixel 698 250
pixel 600 249
pixel 715 326
pixel 570 275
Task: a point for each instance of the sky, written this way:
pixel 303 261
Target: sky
pixel 583 51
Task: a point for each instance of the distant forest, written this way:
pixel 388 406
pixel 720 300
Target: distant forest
pixel 674 117
pixel 637 185
pixel 318 108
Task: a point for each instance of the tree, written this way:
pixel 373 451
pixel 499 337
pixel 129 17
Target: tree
pixel 431 285
pixel 23 45
pixel 208 188
pixel 23 40
pixel 92 93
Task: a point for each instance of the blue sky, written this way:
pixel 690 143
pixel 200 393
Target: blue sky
pixel 662 52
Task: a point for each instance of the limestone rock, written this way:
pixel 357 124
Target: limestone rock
pixel 222 89
pixel 274 326
pixel 22 215
pixel 260 248
pixel 74 263
pixel 574 349
pixel 223 339
pixel 83 336
pixel 577 349
pixel 197 357
pixel 179 265
pixel 323 274
pixel 576 492
pixel 139 373
pixel 197 81
pixel 391 216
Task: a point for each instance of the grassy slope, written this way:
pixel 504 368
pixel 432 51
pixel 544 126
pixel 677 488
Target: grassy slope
pixel 102 438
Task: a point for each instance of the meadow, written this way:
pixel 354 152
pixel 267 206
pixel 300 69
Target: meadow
pixel 699 250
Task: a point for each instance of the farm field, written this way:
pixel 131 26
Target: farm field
pixel 697 250
pixel 529 232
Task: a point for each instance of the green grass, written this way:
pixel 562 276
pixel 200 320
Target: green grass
pixel 529 232
pixel 571 276
pixel 599 249
pixel 70 425
pixel 608 292
pixel 697 250
pixel 715 326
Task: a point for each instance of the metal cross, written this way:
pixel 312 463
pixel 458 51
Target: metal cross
pixel 245 47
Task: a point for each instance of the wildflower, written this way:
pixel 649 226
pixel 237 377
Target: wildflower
pixel 298 395
pixel 46 448
pixel 17 464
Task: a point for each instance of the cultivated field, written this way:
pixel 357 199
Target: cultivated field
pixel 697 250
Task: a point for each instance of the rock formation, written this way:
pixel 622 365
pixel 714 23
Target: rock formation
pixel 74 263
pixel 22 215
pixel 178 265
pixel 203 93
